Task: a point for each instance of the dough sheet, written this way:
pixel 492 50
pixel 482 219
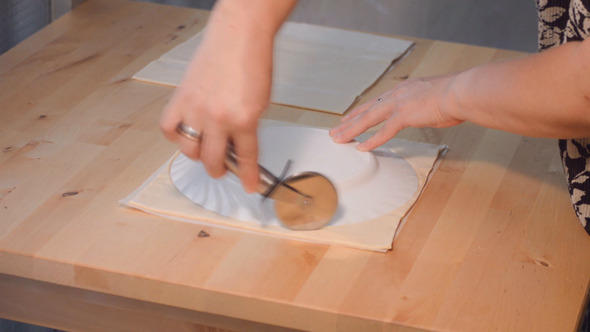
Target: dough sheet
pixel 375 191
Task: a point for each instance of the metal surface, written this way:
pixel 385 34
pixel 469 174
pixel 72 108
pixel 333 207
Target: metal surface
pixel 188 132
pixel 505 24
pixel 305 201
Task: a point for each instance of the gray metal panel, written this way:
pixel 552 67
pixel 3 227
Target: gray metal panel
pixel 20 19
pixel 507 24
pixel 201 4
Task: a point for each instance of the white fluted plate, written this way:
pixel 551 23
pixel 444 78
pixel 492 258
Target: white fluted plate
pixel 369 184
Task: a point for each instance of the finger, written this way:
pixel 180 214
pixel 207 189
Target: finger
pixel 359 124
pixel 246 145
pixel 189 139
pixel 345 121
pixel 389 130
pixel 189 147
pixel 170 117
pixel 337 131
pixel 213 149
pixel 359 109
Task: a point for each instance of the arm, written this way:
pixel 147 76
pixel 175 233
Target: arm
pixel 227 85
pixel 543 95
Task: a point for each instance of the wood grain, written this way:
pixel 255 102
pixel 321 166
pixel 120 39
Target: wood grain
pixel 492 244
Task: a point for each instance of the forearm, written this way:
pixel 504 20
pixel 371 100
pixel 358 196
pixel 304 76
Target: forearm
pixel 544 95
pixel 239 37
pixel 258 18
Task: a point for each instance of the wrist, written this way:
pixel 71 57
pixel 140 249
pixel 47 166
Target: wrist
pixel 241 32
pixel 262 18
pixel 455 101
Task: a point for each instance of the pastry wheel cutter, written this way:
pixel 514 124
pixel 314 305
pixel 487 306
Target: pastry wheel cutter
pixel 303 201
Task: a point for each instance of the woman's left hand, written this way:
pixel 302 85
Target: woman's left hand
pixel 413 103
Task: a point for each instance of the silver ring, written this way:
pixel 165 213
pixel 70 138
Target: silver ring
pixel 379 100
pixel 188 132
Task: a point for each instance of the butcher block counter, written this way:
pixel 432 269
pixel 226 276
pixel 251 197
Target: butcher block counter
pixel 492 243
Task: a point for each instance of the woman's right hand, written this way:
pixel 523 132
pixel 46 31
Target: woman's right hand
pixel 227 87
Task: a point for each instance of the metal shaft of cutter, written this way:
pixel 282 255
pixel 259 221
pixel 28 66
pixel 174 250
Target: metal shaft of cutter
pixel 267 182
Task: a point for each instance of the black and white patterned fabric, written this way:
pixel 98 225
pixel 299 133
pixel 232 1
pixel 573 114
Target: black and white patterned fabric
pixel 561 21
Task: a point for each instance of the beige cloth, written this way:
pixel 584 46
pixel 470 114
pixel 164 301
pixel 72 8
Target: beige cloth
pixel 158 195
pixel 315 67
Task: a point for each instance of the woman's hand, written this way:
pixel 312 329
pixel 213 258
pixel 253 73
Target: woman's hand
pixel 224 92
pixel 541 95
pixel 413 103
pixel 227 87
